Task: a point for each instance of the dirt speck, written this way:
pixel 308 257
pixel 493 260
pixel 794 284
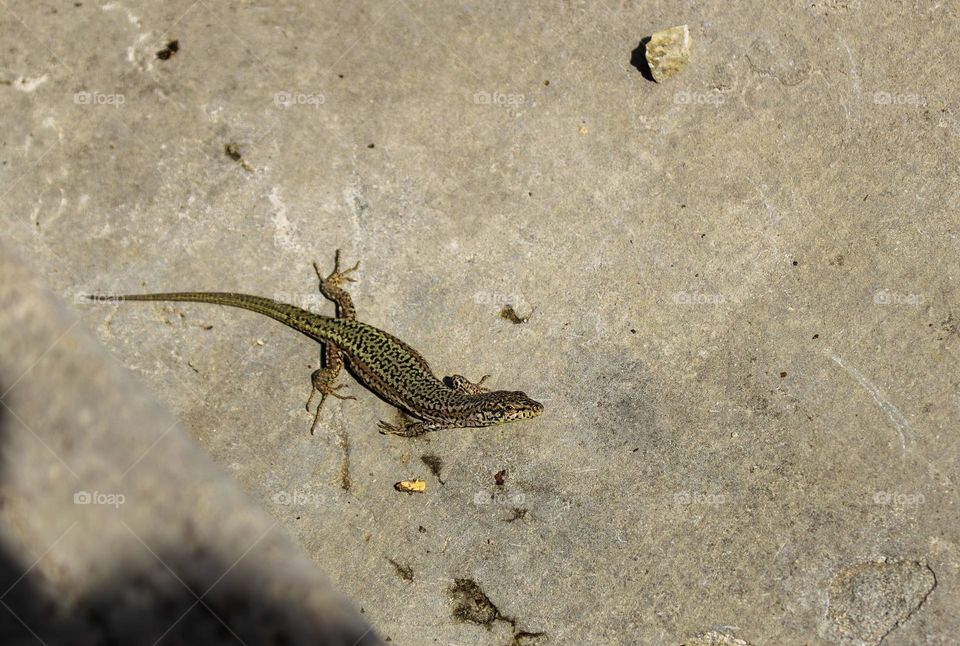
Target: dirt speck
pixel 405 572
pixel 172 48
pixel 511 315
pixel 232 150
pixel 471 604
pixel 524 638
pixel 517 513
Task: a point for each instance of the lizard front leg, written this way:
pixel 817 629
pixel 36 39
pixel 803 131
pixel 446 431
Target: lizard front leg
pixel 330 288
pixel 412 429
pixel 464 385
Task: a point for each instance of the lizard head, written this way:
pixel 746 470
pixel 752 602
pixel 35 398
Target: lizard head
pixel 501 406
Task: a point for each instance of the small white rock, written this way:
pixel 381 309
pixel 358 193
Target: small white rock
pixel 668 52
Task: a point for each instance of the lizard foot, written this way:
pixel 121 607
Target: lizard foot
pixel 413 429
pixel 330 287
pixel 325 388
pixel 336 276
pixel 464 385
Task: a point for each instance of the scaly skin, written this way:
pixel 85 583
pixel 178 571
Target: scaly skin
pixel 386 365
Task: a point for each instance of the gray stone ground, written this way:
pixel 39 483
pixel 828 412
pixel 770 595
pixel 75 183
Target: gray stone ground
pixel 115 528
pixel 741 289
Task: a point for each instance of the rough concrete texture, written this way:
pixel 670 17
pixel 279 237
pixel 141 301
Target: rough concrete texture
pixel 741 288
pixel 115 526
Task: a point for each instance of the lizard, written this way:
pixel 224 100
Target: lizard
pixel 381 362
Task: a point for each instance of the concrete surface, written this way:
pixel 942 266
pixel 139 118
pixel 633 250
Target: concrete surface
pixel 741 287
pixel 115 526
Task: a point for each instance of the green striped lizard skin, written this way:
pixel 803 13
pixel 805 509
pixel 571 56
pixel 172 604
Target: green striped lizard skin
pixel 387 366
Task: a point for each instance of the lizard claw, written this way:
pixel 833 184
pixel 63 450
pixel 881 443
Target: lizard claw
pixel 389 429
pixel 324 389
pixel 336 276
pixel 332 391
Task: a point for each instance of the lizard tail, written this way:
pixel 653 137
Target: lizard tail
pixel 287 314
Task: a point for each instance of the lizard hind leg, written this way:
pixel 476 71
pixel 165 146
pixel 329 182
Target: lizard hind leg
pixel 330 287
pixel 322 381
pixel 464 385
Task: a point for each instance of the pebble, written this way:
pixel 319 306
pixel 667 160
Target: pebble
pixel 668 52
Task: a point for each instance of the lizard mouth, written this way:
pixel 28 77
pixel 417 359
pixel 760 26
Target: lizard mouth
pixel 530 410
